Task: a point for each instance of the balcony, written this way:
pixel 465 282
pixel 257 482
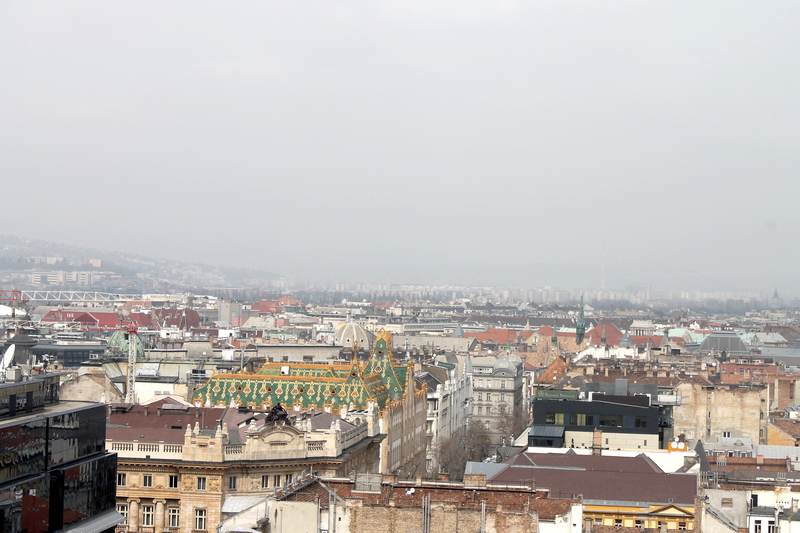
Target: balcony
pixel 144 450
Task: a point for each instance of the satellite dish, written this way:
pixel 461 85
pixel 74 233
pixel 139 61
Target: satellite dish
pixel 8 358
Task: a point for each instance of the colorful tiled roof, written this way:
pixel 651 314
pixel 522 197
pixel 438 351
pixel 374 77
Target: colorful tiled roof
pixel 314 386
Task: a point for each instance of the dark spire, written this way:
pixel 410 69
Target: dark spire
pixel 580 330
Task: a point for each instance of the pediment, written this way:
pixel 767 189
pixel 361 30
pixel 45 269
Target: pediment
pixel 671 510
pixel 278 433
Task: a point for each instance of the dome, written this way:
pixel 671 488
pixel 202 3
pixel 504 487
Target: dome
pixel 350 334
pixel 117 345
pixel 514 359
pixel 503 363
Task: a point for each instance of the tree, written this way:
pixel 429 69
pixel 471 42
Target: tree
pixel 469 444
pixel 511 424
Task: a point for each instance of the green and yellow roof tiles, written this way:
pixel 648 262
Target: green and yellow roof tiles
pixel 310 385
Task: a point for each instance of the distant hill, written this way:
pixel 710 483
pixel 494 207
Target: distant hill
pixel 20 254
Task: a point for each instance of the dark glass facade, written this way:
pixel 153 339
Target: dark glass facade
pixel 54 470
pixel 579 415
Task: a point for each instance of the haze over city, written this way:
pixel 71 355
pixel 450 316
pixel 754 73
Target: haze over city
pixel 544 143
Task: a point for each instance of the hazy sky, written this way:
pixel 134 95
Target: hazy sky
pixel 317 136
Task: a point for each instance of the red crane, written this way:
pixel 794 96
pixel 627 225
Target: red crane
pixel 17 300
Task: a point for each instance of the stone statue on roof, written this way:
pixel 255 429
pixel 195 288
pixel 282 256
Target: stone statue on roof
pixel 277 414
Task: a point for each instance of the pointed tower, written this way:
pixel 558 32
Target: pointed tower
pixel 580 329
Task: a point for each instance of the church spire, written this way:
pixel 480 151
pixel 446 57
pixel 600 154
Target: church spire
pixel 580 330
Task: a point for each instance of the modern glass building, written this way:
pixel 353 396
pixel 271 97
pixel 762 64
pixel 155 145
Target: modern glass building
pixel 55 474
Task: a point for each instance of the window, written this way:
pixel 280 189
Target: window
pixel 147 515
pixel 727 502
pixel 771 527
pixel 173 517
pixel 147 480
pixel 488 396
pixel 122 508
pixel 264 482
pixel 276 481
pixel 576 419
pixel 638 523
pixel 682 526
pixel 199 519
pixel 480 396
pixel 757 526
pixel 480 383
pixel 289 479
pixel 640 422
pixel 488 383
pixel 480 410
pixel 122 480
pixel 726 434
pixel 611 420
pixel 502 384
pixel 487 424
pixel 598 521
pixel 201 484
pixel 502 396
pixel 232 483
pixel 173 481
pixel 618 522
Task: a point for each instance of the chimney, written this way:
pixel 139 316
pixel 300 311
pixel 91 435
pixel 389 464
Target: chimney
pixel 443 476
pixel 597 442
pixel 158 411
pixel 146 411
pixel 474 480
pixel 606 371
pixel 759 459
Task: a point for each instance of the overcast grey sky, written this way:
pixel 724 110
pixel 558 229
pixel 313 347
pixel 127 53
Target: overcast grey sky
pixel 310 136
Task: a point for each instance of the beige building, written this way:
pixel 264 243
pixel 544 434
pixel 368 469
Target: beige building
pixel 709 413
pixel 184 469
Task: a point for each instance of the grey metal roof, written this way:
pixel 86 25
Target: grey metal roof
pixel 428 379
pixel 727 341
pixel 237 504
pixel 547 431
pixel 488 469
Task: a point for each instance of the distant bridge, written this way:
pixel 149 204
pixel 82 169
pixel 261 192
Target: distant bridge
pixel 65 296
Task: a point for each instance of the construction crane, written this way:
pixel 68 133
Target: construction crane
pixel 17 300
pixel 132 332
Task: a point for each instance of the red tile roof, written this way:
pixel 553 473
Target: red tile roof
pixel 611 480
